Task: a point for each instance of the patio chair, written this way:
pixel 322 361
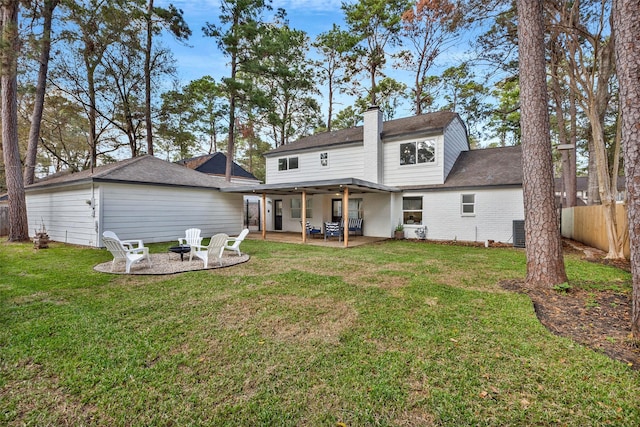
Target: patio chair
pixel 235 242
pixel 131 251
pixel 355 226
pixel 332 229
pixel 130 244
pixel 192 238
pixel 214 249
pixel 311 230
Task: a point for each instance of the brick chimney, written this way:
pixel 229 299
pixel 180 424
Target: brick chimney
pixel 373 155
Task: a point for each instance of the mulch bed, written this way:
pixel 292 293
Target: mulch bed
pixel 600 320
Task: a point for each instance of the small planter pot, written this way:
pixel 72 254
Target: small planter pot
pixel 398 235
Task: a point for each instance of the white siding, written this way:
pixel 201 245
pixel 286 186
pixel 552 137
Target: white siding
pixel 65 213
pixel 344 162
pixel 161 214
pixel 421 173
pixel 495 211
pixel 377 214
pixel 455 141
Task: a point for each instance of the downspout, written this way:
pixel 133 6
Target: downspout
pixel 92 204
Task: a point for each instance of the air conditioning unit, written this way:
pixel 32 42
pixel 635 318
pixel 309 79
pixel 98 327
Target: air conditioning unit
pixel 518 233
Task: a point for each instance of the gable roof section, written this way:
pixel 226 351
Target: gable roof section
pixel 423 124
pixel 487 167
pixel 138 170
pixel 215 164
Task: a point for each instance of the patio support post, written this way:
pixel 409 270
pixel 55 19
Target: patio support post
pixel 303 216
pixel 264 216
pixel 345 216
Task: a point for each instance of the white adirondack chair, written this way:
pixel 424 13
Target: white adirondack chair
pixel 213 250
pixel 131 251
pixel 192 238
pixel 235 242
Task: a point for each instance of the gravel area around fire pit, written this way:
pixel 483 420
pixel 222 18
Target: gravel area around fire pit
pixel 169 263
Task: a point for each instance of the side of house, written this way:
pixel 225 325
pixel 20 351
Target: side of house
pixel 142 198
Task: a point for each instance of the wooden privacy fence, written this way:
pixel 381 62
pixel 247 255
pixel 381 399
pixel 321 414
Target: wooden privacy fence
pixel 586 224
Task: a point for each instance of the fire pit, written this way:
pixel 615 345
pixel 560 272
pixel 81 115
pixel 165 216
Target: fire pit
pixel 180 249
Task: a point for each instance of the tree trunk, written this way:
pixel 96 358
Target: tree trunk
pixel 607 195
pixel 41 86
pixel 593 187
pixel 93 113
pixel 147 79
pixel 626 17
pixel 571 185
pixel 373 85
pixel 568 194
pixel 330 102
pixel 18 225
pixel 545 265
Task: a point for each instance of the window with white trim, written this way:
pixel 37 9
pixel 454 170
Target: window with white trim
pixel 324 159
pixel 412 153
pixel 468 204
pixel 412 210
pixel 287 163
pixel 355 208
pixel 296 208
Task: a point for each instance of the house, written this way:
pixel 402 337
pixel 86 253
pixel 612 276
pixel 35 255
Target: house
pixel 417 171
pixel 140 198
pixel 216 164
pixel 582 189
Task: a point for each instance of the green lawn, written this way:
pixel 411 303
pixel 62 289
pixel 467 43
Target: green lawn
pixel 398 333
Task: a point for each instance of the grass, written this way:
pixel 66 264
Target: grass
pixel 393 334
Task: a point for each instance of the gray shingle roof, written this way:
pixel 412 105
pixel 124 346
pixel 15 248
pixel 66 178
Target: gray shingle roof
pixel 425 123
pixel 487 167
pixel 138 170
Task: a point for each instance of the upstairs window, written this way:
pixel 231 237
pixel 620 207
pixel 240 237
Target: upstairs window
pixel 287 163
pixel 412 153
pixel 324 159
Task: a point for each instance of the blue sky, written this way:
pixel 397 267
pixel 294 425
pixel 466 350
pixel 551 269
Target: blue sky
pixel 204 58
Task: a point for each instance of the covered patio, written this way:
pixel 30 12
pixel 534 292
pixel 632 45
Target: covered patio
pixel 342 188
